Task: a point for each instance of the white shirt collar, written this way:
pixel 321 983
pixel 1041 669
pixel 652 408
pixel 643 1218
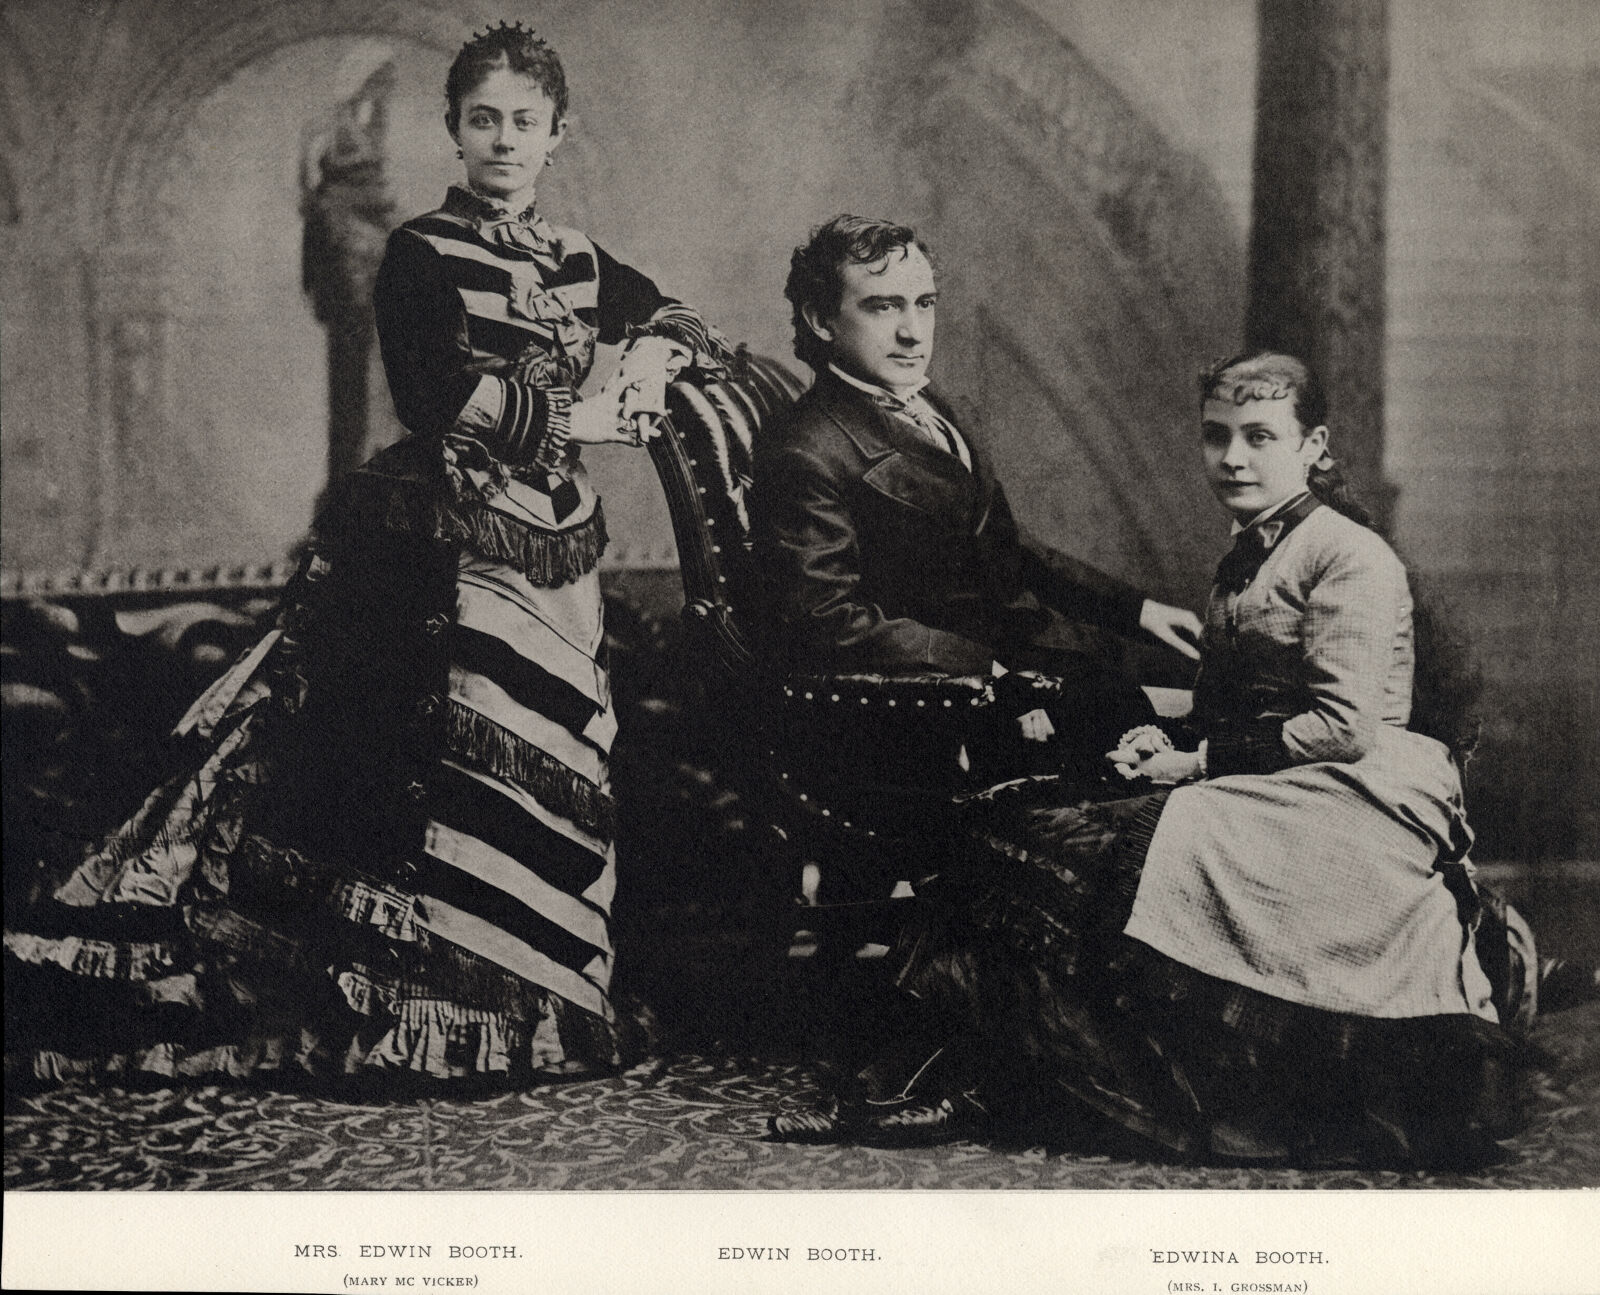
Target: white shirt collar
pixel 873 389
pixel 1265 513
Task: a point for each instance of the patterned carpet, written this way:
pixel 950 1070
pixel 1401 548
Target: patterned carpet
pixel 74 767
pixel 688 1122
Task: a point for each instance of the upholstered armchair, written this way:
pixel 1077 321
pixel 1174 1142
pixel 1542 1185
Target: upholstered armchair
pixel 861 775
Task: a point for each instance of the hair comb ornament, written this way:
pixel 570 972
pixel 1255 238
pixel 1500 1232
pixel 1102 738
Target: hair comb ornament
pixel 504 28
pixel 510 45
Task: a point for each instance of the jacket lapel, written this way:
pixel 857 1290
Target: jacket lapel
pixel 902 466
pixel 982 473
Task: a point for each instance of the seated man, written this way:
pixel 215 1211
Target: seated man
pixel 888 546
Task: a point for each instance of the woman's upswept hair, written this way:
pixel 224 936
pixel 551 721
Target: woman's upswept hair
pixel 1446 685
pixel 511 46
pixel 816 271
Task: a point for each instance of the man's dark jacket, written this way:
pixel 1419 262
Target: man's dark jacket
pixel 882 553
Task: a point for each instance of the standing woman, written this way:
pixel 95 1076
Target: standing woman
pixel 393 851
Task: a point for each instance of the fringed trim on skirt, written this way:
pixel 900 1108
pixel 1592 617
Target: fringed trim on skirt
pixel 548 558
pixel 1138 829
pixel 479 740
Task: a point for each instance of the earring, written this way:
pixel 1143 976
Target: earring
pixel 459 153
pixel 548 159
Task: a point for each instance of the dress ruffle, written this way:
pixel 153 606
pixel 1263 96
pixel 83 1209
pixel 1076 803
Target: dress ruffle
pixel 233 1017
pixel 99 959
pixel 1026 952
pixel 432 1039
pixel 193 945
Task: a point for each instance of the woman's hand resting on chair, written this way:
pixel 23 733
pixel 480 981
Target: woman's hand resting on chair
pixel 638 387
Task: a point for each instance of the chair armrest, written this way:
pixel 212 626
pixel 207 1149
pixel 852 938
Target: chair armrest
pixel 940 691
pixel 937 690
pixel 879 750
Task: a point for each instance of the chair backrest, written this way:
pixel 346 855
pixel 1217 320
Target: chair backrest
pixel 704 459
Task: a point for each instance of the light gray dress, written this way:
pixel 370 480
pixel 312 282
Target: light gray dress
pixel 1317 882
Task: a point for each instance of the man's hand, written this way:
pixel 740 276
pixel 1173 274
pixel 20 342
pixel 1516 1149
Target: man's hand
pixel 1177 627
pixel 1036 726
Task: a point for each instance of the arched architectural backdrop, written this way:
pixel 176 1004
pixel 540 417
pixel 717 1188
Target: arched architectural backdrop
pixel 163 400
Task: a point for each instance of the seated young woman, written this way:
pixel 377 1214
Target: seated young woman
pixel 1269 958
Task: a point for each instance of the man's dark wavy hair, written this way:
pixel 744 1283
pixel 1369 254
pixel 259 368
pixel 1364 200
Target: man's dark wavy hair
pixel 512 46
pixel 816 271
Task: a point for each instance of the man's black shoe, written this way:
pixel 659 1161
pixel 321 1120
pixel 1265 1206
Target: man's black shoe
pixel 925 1124
pixel 834 1121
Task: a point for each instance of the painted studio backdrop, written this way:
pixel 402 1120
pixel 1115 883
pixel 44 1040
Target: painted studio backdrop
pixel 195 196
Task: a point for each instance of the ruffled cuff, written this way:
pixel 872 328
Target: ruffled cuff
pixel 518 424
pixel 552 452
pixel 708 349
pixel 1252 748
pixel 483 410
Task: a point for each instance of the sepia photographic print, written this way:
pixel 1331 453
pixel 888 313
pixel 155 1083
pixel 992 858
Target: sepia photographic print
pixel 933 645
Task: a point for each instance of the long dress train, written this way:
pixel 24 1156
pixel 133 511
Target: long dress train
pixel 392 849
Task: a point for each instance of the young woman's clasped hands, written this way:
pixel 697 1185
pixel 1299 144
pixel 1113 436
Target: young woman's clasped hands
pixel 1147 752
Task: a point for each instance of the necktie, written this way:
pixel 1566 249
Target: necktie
pixel 1251 546
pixel 932 425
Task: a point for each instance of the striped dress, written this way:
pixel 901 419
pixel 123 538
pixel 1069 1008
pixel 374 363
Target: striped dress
pixel 393 848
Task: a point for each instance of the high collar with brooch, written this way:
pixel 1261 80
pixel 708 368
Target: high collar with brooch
pixel 521 233
pixel 526 237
